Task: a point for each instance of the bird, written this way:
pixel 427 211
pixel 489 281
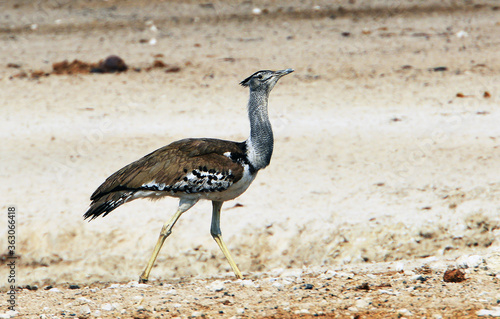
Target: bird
pixel 194 169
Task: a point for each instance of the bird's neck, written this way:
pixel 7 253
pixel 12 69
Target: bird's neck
pixel 260 143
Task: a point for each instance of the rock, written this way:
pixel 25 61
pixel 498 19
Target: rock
pixel 9 314
pixel 277 285
pixel 454 275
pixel 362 303
pixel 472 261
pixel 215 286
pixel 85 310
pixel 495 312
pixel 247 283
pixel 256 11
pixel 55 290
pixel 301 311
pixel 108 307
pixel 111 64
pixel 197 314
pixel 405 312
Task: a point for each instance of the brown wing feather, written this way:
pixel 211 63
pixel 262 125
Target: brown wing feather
pixel 169 166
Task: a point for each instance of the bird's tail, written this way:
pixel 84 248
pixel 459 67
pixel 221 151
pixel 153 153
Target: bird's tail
pixel 106 203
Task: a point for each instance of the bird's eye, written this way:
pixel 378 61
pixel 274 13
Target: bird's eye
pixel 259 76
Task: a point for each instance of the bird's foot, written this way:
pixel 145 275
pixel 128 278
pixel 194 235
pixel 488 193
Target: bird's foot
pixel 143 280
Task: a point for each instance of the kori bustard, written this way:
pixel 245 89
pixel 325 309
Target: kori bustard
pixel 197 168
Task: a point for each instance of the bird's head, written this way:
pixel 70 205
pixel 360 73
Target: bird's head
pixel 264 80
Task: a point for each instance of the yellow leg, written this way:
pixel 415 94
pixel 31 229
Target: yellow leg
pixel 166 230
pixel 217 235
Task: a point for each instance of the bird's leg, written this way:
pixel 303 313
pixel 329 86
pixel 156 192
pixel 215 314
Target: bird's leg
pixel 166 230
pixel 217 235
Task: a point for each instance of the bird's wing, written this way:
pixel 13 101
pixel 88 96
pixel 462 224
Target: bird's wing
pixel 190 165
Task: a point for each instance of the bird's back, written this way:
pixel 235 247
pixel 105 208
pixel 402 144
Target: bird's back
pixel 189 166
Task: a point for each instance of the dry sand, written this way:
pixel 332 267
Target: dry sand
pixel 386 170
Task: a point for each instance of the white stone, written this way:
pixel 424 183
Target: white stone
pixel 107 307
pixel 277 285
pixel 240 311
pixel 362 303
pixel 462 34
pixel 495 312
pixel 217 285
pixel 247 283
pixel 399 266
pixel 404 312
pixel 9 314
pixel 172 292
pixel 301 311
pixel 256 11
pixel 83 299
pixel 55 290
pixel 85 310
pixel 197 314
pixel 114 286
pixel 472 261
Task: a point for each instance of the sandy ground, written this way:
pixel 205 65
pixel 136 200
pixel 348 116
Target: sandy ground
pixel 386 169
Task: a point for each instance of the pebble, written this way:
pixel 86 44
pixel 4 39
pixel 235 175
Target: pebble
pixel 495 312
pixel 256 11
pixel 9 314
pixel 292 273
pixel 240 311
pixel 328 275
pixel 247 283
pixel 405 312
pixel 108 307
pixel 472 261
pixel 114 286
pixel 83 299
pixel 197 314
pixel 301 311
pixel 172 292
pixel 277 285
pixel 55 290
pixel 399 266
pixel 362 303
pixel 85 310
pixel 215 286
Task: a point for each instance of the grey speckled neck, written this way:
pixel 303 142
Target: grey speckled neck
pixel 261 141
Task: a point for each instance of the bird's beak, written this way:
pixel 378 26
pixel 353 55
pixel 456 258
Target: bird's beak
pixel 281 73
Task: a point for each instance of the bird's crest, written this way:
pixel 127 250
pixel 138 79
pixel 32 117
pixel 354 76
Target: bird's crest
pixel 246 81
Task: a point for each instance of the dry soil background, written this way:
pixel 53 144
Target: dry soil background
pixel 385 172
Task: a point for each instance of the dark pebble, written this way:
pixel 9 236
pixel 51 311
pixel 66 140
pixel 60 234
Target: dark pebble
pixel 440 69
pixel 48 287
pixel 74 287
pixel 308 286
